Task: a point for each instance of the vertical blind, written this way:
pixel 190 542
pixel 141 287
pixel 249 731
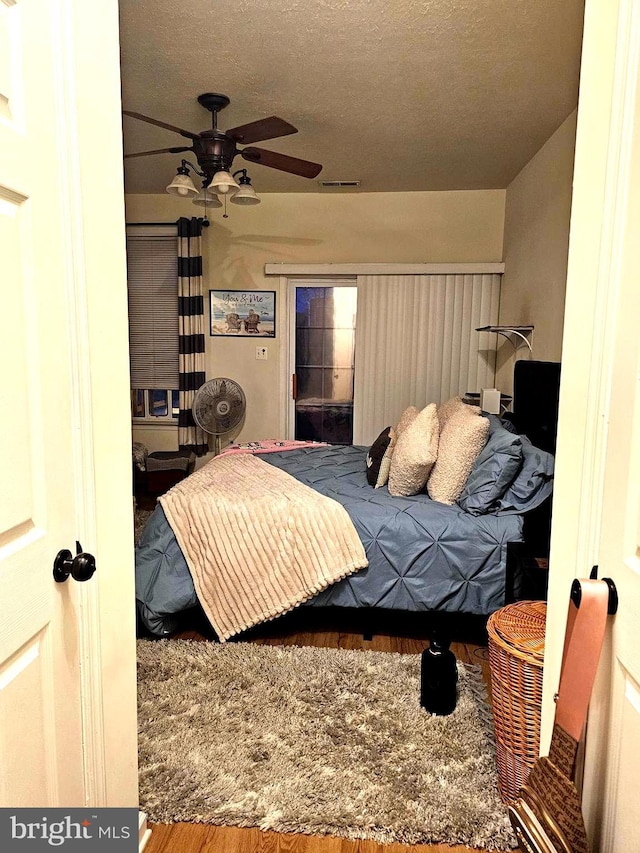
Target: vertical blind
pixel 152 276
pixel 416 343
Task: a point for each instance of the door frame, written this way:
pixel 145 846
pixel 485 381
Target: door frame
pixel 102 472
pixel 289 355
pixel 608 118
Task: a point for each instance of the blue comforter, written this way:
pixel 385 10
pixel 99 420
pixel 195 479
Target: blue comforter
pixel 423 555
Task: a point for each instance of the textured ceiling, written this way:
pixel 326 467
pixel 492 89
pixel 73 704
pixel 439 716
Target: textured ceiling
pixel 399 94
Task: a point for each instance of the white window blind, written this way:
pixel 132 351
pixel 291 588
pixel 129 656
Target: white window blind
pixel 152 275
pixel 416 343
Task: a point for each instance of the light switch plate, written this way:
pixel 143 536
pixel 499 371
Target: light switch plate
pixel 261 353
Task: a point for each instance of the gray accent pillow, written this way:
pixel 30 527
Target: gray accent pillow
pixel 495 421
pixel 493 472
pixel 532 485
pixel 508 424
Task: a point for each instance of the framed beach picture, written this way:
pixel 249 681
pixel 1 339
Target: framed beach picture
pixel 243 313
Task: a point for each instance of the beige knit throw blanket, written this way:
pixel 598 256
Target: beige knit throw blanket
pixel 257 541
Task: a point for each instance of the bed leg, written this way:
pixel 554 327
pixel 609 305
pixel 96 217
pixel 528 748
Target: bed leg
pixel 367 626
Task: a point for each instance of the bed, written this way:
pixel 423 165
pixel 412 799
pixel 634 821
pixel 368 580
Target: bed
pixel 422 555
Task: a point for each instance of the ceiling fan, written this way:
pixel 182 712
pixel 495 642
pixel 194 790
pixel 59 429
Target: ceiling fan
pixel 215 149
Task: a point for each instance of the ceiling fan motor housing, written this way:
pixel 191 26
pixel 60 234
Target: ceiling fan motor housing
pixel 214 151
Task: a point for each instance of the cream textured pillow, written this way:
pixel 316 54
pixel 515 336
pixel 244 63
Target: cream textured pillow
pixel 415 452
pixel 385 465
pixel 406 419
pixel 464 435
pixel 446 409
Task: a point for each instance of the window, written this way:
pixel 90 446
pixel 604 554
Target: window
pixel 154 404
pixel 152 275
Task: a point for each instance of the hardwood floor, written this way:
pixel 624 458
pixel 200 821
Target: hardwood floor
pixel 199 838
pixel 196 838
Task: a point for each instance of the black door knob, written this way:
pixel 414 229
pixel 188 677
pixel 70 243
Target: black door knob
pixel 81 567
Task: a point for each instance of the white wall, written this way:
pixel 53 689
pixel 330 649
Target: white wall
pixel 438 227
pixel 536 242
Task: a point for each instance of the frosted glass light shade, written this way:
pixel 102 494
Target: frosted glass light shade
pixel 246 195
pixel 206 198
pixel 182 185
pixel 223 183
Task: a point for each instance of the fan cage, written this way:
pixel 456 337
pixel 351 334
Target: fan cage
pixel 219 406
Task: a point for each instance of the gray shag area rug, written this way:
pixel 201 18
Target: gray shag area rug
pixel 316 741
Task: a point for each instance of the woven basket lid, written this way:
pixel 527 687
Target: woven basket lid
pixel 518 628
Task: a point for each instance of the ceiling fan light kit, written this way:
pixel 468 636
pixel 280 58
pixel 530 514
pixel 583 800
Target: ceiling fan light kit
pixel 215 151
pixel 207 198
pixel 223 182
pixel 246 195
pixel 182 184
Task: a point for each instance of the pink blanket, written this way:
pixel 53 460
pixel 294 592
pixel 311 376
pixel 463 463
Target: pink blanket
pixel 270 445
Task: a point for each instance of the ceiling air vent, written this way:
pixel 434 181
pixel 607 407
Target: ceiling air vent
pixel 338 184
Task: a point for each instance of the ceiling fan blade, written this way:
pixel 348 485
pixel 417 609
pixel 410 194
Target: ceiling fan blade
pixel 155 121
pixel 258 131
pixel 158 151
pixel 304 168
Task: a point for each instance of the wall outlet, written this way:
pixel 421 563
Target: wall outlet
pixel 261 353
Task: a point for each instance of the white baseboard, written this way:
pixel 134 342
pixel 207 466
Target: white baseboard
pixel 144 833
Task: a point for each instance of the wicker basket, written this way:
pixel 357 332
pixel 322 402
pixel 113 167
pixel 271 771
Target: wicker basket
pixel 516 653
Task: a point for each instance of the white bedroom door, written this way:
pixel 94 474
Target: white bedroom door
pixel 597 495
pixel 612 781
pixel 54 645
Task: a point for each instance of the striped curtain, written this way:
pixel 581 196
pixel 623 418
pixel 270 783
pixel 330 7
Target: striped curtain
pixel 191 332
pixel 416 343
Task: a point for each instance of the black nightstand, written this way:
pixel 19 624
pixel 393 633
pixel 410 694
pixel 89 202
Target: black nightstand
pixel 165 468
pixel 527 574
